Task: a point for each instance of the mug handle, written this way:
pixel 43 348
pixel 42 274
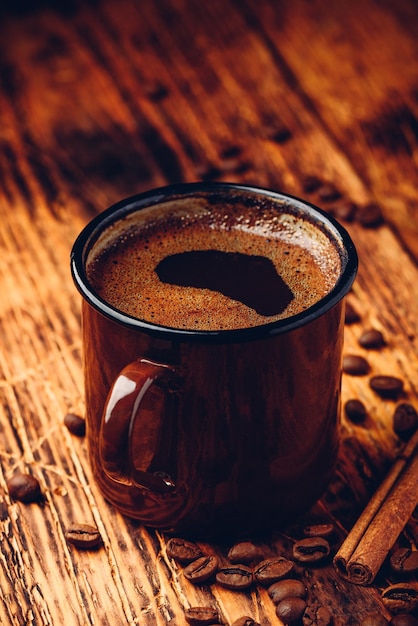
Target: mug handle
pixel 134 432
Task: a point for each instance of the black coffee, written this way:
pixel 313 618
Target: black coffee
pixel 199 264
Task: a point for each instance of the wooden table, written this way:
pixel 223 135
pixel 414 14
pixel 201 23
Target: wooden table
pixel 103 99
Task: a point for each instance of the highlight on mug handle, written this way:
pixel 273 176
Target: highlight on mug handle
pixel 132 433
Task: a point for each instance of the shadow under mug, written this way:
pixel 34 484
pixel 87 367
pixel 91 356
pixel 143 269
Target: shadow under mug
pixel 213 432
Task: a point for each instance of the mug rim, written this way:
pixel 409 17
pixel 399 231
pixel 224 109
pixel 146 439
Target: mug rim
pixel 89 234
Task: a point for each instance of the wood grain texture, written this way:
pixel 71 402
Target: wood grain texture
pixel 101 100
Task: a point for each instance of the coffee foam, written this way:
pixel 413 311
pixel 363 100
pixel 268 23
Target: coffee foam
pixel 121 265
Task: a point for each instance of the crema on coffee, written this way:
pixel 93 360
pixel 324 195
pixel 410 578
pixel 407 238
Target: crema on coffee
pixel 203 265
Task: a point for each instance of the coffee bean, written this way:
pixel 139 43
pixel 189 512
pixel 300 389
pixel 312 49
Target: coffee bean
pixel 290 610
pixel 235 165
pixel 208 173
pixel 25 488
pixel 311 183
pixel 270 570
pixel 374 619
pixel 155 90
pixel 369 215
pixel 245 621
pixel 83 536
pixel 351 315
pixel 405 420
pixel 404 619
pixel 201 570
pixel 231 151
pixel 183 551
pixel 401 597
pixel 75 424
pixel 355 411
pixel 372 339
pixel 201 615
pixel 319 530
pixel 245 552
pixel 311 549
pixel 205 170
pixel 328 192
pixel 404 561
pixel 281 134
pixel 316 615
pixel 235 577
pixel 231 160
pixel 355 365
pixel 286 588
pixel 387 386
pixel 344 210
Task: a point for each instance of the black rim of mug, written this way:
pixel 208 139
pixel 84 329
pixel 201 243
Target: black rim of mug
pixel 98 224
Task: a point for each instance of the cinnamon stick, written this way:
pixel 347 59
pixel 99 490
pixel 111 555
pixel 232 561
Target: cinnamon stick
pixel 382 521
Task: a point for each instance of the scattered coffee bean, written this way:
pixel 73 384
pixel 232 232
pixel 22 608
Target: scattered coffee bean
pixel 245 552
pixel 286 588
pixel 202 168
pixel 355 411
pixel 372 339
pixel 155 91
pixel 183 551
pixel 235 577
pixel 231 152
pixel 355 365
pixel 25 488
pixel 311 183
pixel 387 386
pixel 235 165
pixel 316 615
pixel 280 134
pixel 328 192
pixel 209 173
pixel 374 619
pixel 311 549
pixel 290 610
pixel 344 210
pixel 405 420
pixel 231 160
pixel 75 424
pixel 369 215
pixel 83 536
pixel 201 615
pixel 245 621
pixel 404 561
pixel 319 530
pixel 351 315
pixel 201 570
pixel 404 619
pixel 401 597
pixel 270 570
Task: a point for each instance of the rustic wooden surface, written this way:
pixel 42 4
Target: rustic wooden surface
pixel 100 100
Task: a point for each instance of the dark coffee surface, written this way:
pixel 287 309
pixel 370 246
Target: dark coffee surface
pixel 248 278
pixel 223 267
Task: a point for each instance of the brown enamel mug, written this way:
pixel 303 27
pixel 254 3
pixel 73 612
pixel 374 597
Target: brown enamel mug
pixel 215 430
